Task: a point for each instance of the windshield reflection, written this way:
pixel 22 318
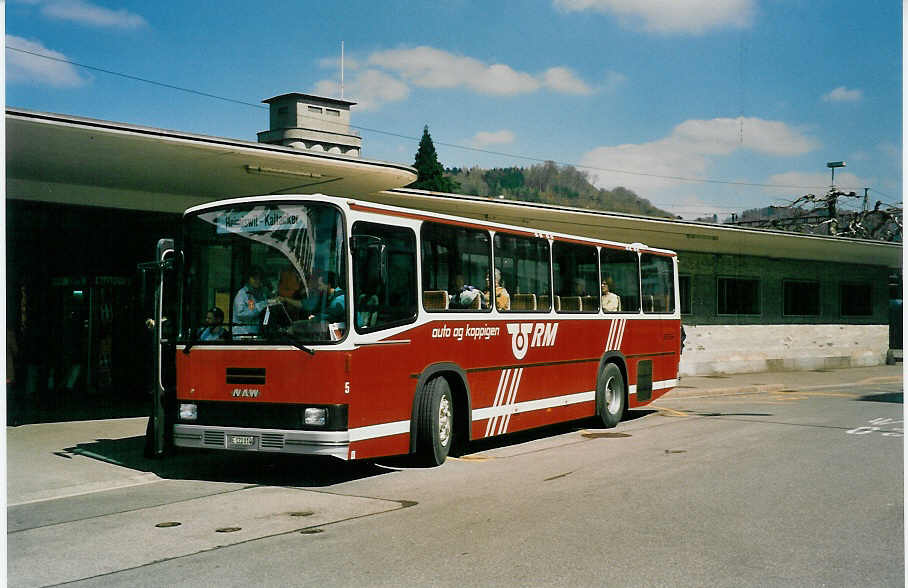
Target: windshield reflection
pixel 269 273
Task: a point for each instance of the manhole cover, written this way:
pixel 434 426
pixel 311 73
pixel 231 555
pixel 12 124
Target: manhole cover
pixel 168 524
pixel 312 531
pixel 302 513
pixel 228 529
pixel 605 435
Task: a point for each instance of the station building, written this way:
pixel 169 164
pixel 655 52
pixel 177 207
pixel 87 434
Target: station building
pixel 87 200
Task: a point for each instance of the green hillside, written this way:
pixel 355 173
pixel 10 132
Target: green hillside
pixel 549 183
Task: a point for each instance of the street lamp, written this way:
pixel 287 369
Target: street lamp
pixel 832 165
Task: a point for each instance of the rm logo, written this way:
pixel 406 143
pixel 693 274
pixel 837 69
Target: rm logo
pixel 526 335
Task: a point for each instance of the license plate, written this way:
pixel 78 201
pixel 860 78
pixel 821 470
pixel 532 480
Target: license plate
pixel 241 442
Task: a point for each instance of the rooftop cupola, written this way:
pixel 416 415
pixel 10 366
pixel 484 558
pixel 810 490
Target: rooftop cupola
pixel 313 123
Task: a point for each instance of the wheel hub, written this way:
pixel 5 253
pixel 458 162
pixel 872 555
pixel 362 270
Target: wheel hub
pixel 444 421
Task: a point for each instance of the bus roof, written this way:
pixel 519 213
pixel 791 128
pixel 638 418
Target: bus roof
pixel 417 214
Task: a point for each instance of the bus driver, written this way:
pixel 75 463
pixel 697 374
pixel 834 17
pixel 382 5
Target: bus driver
pixel 249 304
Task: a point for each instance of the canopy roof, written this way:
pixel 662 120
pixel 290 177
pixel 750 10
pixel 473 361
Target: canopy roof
pixel 672 234
pixel 70 160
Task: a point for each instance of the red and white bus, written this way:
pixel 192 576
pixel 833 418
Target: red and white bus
pixel 358 330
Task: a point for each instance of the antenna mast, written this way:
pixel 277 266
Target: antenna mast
pixel 342 70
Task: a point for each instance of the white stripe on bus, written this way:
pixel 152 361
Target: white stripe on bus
pixel 505 420
pixel 504 410
pixel 499 397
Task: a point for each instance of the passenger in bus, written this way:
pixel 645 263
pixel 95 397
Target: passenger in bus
pixel 334 309
pixel 462 294
pixel 214 326
pixel 502 298
pixel 289 291
pixel 610 301
pixel 249 304
pixel 579 287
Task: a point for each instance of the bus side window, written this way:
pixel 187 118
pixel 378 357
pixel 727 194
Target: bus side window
pixel 384 276
pixel 621 274
pixel 455 268
pixel 576 273
pixel 525 270
pixel 658 281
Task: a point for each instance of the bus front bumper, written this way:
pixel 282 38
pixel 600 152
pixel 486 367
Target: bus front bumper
pixel 333 443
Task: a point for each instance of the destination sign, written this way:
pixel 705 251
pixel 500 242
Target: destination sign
pixel 259 220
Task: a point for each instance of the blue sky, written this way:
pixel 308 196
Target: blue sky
pixel 700 106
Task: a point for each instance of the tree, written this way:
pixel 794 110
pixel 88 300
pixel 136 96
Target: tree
pixel 430 173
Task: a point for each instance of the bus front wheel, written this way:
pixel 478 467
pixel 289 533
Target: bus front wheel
pixel 611 399
pixel 435 422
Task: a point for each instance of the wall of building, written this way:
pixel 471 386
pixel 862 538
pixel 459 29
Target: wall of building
pixel 75 308
pixel 836 330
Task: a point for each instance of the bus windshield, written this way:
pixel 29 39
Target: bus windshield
pixel 265 273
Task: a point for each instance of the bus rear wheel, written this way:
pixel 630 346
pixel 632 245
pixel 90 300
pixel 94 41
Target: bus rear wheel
pixel 611 400
pixel 435 422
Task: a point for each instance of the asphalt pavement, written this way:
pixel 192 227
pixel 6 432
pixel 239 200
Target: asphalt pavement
pixel 55 460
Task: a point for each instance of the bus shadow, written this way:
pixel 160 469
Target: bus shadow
pixel 480 445
pixel 234 467
pixel 289 470
pixel 893 397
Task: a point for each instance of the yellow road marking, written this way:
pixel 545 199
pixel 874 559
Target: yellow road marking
pixel 669 411
pixel 471 458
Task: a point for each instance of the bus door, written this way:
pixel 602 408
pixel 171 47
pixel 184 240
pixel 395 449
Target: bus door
pixel 159 295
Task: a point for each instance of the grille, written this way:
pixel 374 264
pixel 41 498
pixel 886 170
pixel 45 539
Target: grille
pixel 213 438
pixel 263 415
pixel 272 441
pixel 255 376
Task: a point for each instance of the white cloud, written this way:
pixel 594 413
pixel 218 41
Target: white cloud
pixel 670 16
pixel 721 136
pixel 689 151
pixel 563 80
pixel 843 94
pixel 486 138
pixel 370 89
pixel 433 68
pixel 429 67
pixel 24 67
pixel 90 14
pixel 390 74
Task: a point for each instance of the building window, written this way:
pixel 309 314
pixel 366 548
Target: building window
pixel 800 298
pixel 684 293
pixel 315 109
pixel 857 299
pixel 332 112
pixel 738 296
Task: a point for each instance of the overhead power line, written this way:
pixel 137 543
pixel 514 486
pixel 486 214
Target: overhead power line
pixel 417 139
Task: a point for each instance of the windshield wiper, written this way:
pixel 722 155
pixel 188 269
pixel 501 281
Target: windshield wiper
pixel 298 345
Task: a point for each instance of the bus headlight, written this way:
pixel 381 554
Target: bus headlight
pixel 189 412
pixel 315 417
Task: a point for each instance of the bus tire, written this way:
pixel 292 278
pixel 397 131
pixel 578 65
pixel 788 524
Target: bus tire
pixel 434 422
pixel 611 399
